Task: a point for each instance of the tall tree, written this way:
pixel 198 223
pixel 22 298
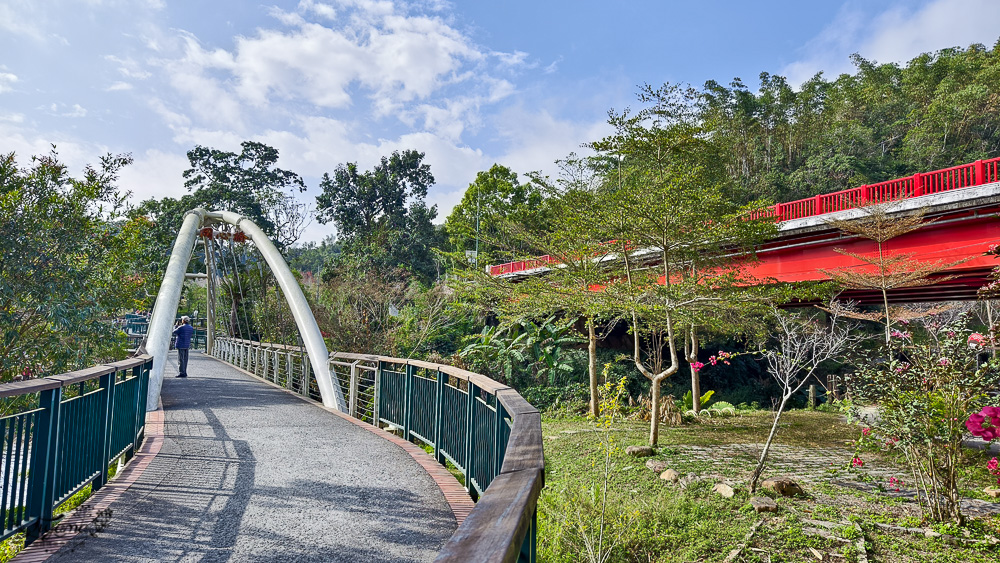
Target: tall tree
pixel 496 196
pixel 249 183
pixel 383 223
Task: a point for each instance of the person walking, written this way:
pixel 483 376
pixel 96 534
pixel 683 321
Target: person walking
pixel 183 331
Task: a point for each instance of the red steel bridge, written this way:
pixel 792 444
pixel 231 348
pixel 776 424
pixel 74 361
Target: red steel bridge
pixel 963 202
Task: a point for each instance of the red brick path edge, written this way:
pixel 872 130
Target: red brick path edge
pixel 456 495
pixel 83 519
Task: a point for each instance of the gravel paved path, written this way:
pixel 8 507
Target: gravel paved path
pixel 249 473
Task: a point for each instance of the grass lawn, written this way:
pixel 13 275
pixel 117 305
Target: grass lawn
pixel 648 519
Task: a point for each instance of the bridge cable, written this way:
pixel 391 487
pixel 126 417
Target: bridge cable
pixel 230 289
pixel 239 281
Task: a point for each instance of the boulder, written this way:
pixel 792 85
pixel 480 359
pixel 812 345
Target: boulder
pixel 763 504
pixel 992 492
pixel 783 486
pixel 656 465
pixel 670 475
pixel 724 490
pixel 639 451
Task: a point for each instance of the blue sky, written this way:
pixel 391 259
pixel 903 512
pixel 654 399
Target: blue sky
pixel 469 83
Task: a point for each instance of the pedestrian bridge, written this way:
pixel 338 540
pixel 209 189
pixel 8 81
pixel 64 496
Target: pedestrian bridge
pixel 267 451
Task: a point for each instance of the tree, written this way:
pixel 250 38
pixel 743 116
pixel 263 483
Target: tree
pixel 676 235
pixel 70 263
pixel 889 270
pixel 248 183
pixel 802 345
pixel 383 223
pixel 495 197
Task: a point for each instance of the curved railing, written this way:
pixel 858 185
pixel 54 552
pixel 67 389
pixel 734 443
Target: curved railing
pixel 68 430
pixel 486 430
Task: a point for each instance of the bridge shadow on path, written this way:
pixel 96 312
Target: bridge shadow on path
pixel 248 472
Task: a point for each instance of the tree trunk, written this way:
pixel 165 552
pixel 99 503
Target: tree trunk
pixel 691 355
pixel 654 415
pixel 767 445
pixel 595 407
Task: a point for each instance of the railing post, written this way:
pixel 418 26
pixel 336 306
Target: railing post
pixel 470 437
pixel 137 374
pixel 980 168
pixel 918 185
pixel 497 437
pixel 352 391
pixel 411 372
pixel 529 546
pixel 378 395
pixel 442 379
pixel 289 370
pixel 45 444
pixel 818 204
pixel 276 362
pixel 304 388
pixel 106 422
pixel 140 416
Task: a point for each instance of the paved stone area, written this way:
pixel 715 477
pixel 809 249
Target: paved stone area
pixel 250 473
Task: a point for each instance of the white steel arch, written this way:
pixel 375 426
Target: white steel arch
pixel 165 309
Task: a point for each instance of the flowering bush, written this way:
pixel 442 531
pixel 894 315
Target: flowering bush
pixel 928 391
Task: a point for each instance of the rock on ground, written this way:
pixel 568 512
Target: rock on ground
pixel 639 451
pixel 656 466
pixel 783 486
pixel 763 504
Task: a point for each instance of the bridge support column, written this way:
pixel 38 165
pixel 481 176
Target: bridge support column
pixel 161 322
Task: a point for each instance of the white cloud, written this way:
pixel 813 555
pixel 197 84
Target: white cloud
pixel 76 111
pixel 6 81
pixel 128 67
pixel 118 87
pixel 155 174
pixel 895 35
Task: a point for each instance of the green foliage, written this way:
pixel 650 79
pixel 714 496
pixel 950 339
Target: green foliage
pixel 383 223
pixel 688 400
pixel 523 353
pixel 70 263
pixel 495 198
pixel 883 121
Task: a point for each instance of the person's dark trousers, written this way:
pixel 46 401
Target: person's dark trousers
pixel 182 359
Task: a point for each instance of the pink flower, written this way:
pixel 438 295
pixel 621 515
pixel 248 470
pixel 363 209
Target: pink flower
pixel 866 431
pixel 697 366
pixel 944 362
pixel 985 424
pixel 856 462
pixel 899 334
pixel 992 465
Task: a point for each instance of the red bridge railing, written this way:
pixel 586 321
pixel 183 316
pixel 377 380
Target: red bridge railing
pixel 963 176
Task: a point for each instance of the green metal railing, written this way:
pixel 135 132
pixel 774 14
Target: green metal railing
pixel 484 429
pixel 74 426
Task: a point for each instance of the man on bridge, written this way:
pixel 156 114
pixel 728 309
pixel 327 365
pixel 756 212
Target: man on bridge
pixel 183 332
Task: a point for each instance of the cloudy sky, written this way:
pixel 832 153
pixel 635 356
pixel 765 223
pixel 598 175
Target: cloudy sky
pixel 468 82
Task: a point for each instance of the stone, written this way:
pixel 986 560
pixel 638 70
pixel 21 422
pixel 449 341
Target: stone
pixel 639 451
pixel 670 475
pixel 992 492
pixel 724 490
pixel 783 486
pixel 763 504
pixel 656 465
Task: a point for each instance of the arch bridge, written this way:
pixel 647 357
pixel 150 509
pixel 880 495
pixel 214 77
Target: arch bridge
pixel 268 450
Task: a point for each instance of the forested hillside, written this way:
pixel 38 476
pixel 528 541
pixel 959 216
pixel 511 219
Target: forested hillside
pixel 881 122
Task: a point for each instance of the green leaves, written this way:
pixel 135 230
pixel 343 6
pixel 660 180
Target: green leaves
pixel 68 266
pixel 383 223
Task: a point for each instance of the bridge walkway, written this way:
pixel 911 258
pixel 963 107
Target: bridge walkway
pixel 248 472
